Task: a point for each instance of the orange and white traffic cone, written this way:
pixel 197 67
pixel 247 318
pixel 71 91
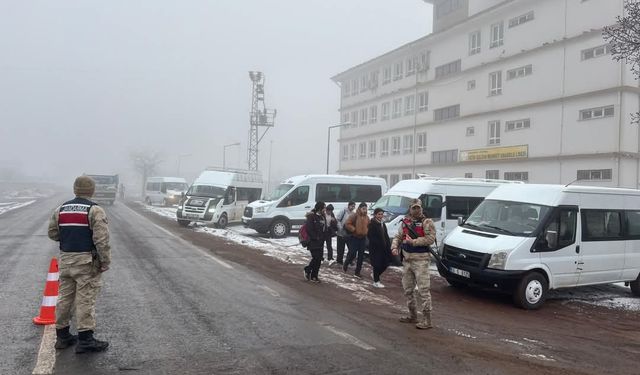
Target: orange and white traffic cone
pixel 48 306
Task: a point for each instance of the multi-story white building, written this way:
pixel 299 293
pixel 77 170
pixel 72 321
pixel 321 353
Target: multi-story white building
pixel 511 89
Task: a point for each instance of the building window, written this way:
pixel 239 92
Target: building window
pixel 364 116
pixel 497 35
pixel 446 113
pixel 518 124
pixel 474 43
pixel 409 104
pixel 397 71
pixel 384 177
pixel 346 89
pixel 385 111
pixel 492 174
pixel 352 151
pixel 345 118
pixel 444 157
pixel 363 150
pixel 345 152
pixel 494 132
pixel 411 66
pixel 468 175
pixel 594 174
pixel 384 147
pixel 595 113
pixel 590 53
pixel 447 6
pixel 423 101
pixel 471 131
pixel 354 119
pixel 395 145
pixel 448 69
pixel 393 179
pixel 373 79
pixel 407 144
pixel 422 142
pixel 425 61
pixel 495 83
pixel 364 84
pixel 519 72
pixel 373 114
pixel 397 108
pixel 386 75
pixel 471 85
pixel 516 176
pixel 354 87
pixel 372 149
pixel 516 21
pixel 406 176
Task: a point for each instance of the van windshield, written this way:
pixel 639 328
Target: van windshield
pixel 396 204
pixel 281 190
pixel 506 217
pixel 180 186
pixel 206 191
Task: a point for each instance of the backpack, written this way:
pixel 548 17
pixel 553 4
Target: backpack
pixel 303 235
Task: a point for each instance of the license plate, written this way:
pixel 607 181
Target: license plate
pixel 459 272
pixel 192 216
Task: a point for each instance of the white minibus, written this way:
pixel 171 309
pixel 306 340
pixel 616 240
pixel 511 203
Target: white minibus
pixel 164 190
pixel 219 196
pixel 443 199
pixel 294 197
pixel 528 239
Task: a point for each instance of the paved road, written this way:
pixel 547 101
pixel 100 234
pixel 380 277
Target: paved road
pixel 176 301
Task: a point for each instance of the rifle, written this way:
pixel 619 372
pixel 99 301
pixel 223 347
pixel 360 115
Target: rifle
pixel 414 235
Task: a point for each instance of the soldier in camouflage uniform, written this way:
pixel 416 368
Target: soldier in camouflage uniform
pixel 414 237
pixel 80 226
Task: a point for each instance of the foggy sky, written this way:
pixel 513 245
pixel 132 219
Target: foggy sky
pixel 85 83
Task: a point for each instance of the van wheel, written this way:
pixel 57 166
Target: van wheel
pixel 184 223
pixel 222 222
pixel 279 228
pixel 147 200
pixel 531 291
pixel 635 287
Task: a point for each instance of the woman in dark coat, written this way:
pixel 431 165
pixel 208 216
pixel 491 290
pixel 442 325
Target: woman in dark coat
pixel 316 228
pixel 332 225
pixel 379 246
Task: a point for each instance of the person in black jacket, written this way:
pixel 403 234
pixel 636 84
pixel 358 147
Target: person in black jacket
pixel 316 228
pixel 379 246
pixel 332 226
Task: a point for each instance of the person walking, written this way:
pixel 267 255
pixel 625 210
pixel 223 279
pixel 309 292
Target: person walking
pixel 342 234
pixel 414 237
pixel 357 226
pixel 80 225
pixel 316 228
pixel 379 246
pixel 332 228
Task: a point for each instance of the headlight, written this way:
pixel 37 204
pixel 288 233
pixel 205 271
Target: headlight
pixel 498 260
pixel 212 210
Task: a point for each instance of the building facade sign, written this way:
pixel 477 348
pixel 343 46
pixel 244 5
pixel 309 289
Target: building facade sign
pixel 495 153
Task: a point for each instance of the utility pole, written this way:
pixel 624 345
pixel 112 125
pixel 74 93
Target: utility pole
pixel 260 116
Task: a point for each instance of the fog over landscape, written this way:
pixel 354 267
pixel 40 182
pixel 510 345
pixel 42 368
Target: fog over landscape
pixel 85 84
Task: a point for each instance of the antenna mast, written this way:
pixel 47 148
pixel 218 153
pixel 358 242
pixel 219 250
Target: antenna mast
pixel 260 116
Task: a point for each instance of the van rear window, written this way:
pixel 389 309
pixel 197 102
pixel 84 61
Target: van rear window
pixel 348 192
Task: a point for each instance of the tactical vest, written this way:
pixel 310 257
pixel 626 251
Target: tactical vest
pixel 73 224
pixel 416 225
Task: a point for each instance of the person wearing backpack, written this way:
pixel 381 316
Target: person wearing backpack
pixel 342 232
pixel 316 227
pixel 358 226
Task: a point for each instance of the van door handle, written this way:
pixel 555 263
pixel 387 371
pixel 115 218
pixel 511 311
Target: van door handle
pixel 307 206
pixel 578 249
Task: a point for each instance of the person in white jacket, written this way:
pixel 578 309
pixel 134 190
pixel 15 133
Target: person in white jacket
pixel 342 217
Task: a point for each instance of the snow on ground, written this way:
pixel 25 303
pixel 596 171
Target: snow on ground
pixel 614 296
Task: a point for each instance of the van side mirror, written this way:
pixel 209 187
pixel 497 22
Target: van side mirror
pixel 461 220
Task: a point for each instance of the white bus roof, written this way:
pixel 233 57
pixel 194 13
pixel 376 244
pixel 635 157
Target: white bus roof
pixel 166 179
pixel 551 195
pixel 415 188
pixel 230 178
pixel 335 177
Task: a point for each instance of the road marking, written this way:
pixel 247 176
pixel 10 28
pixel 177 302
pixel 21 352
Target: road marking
pixel 47 353
pixel 351 339
pixel 224 264
pixel 269 290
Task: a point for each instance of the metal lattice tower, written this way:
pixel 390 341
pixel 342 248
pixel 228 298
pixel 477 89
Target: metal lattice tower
pixel 260 116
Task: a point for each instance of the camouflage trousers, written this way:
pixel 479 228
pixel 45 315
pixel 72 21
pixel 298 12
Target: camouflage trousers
pixel 416 274
pixel 80 282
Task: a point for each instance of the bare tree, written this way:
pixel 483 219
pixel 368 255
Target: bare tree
pixel 146 164
pixel 624 38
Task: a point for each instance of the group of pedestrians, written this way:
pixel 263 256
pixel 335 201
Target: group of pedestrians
pixel 358 232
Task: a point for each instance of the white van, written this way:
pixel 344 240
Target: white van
pixel 443 199
pixel 528 239
pixel 219 196
pixel 294 197
pixel 164 190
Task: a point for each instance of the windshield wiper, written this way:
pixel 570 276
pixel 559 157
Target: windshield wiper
pixel 471 225
pixel 499 229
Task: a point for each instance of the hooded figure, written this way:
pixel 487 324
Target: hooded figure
pixel 316 228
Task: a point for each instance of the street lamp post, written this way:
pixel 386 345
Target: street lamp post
pixel 329 139
pixel 224 153
pixel 179 159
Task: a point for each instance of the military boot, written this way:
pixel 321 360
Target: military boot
pixel 411 318
pixel 426 321
pixel 64 339
pixel 88 343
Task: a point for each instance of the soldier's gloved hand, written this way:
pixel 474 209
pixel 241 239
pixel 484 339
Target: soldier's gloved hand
pixel 104 268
